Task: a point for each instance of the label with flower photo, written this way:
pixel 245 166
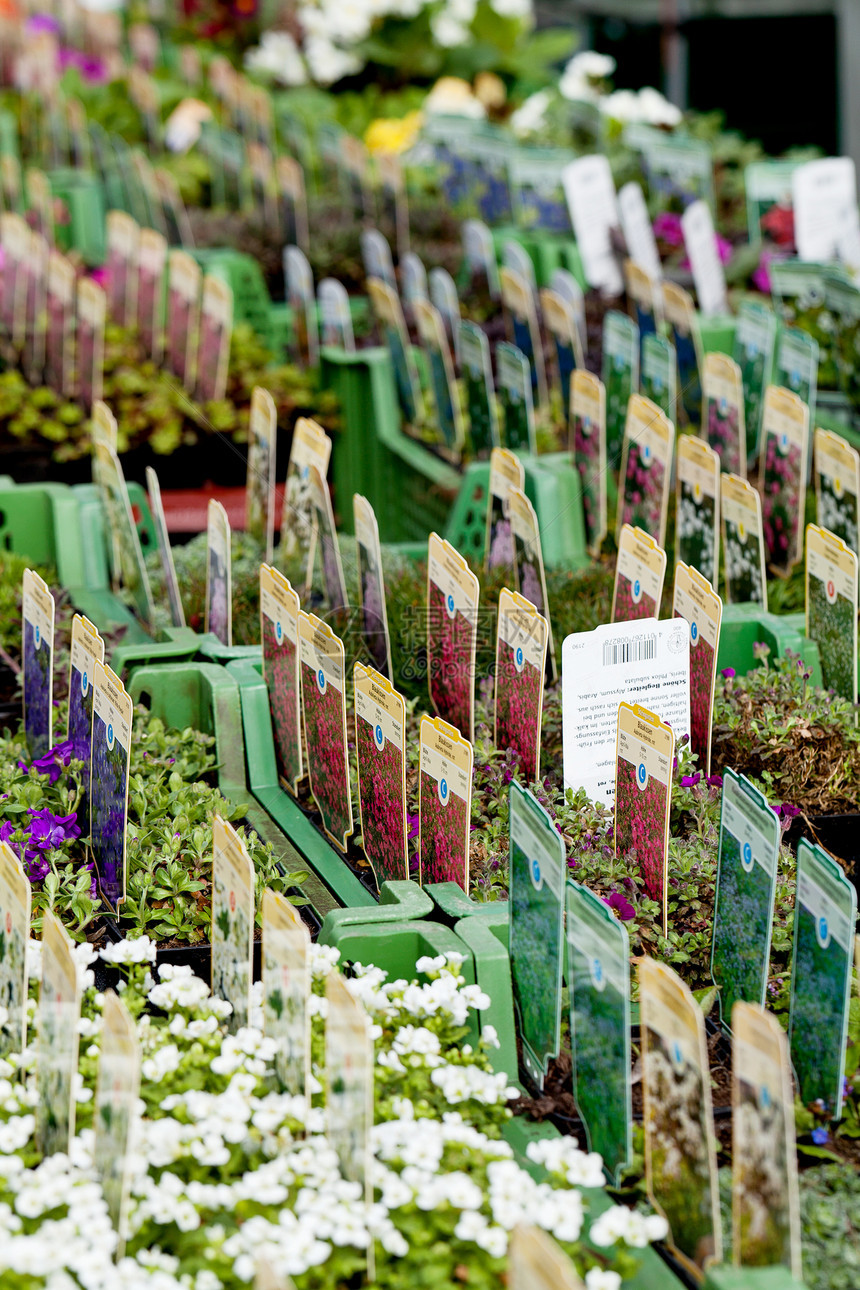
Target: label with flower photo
pixel 371 586
pixel 279 615
pixel 261 174
pixel 796 366
pixel 126 554
pixel 349 1076
pixel 480 259
pixel 529 572
pixel 743 542
pixel 536 1262
pixel 311 446
pixel 299 285
pixel 752 350
pixel 521 644
pixel 389 317
pixel 324 709
pixel 620 374
pixel 113 713
pixel 213 350
pixel 681 317
pixel 115 1110
pixel 87 649
pixel 538 196
pixel 35 295
pixel 745 894
pixel 536 935
pixel 782 475
pixel 57 1057
pixel 565 285
pixel 232 930
pixel 638 231
pixel 588 428
pixel 286 973
pixel 380 740
pixel 697 510
pixel 60 333
pixel 645 750
pixel 515 398
pixel 639 573
pixel 506 472
pixel 680 1160
pixel 292 202
pixel 598 955
pixel 700 241
pixel 645 297
pixel 376 256
pixel 658 374
pixel 152 262
pixel 723 412
pixel 219 592
pixel 765 1194
pixel 449 418
pixel 183 312
pixel 413 284
pixel 165 550
pixel 481 409
pixel 444 803
pixel 837 487
pixel 646 468
pixel 590 192
pixel 518 300
pixel 15 903
pixel 326 543
pixel 697 602
pixel 122 236
pixel 824 918
pixel 443 296
pixel 90 338
pixel 452 626
pixel 260 480
pixel 831 609
pixel 335 320
pixel 560 321
pixel 37 662
pixel 15 240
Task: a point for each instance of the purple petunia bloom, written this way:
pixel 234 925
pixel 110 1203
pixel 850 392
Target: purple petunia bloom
pixel 49 830
pixel 788 812
pixel 690 781
pixel 714 781
pixel 728 673
pixel 621 905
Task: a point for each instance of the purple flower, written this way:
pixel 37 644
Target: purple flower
pixel 728 673
pixel 621 905
pixel 668 228
pixel 49 830
pixel 788 812
pixel 820 1136
pixel 714 781
pixel 412 822
pixel 690 781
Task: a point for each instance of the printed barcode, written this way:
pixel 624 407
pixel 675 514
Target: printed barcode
pixel 636 650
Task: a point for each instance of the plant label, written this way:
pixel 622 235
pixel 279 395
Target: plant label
pixel 796 367
pixel 444 803
pixel 480 257
pixel 389 317
pixel 824 198
pixel 219 590
pixel 286 970
pixel 380 739
pixel 646 468
pixel 349 1069
pixel 680 170
pixel 113 714
pixel 680 1161
pixel 15 902
pixel 658 374
pixel 598 954
pixel 743 542
pixel 267 1279
pixel 452 626
pixel 506 472
pixel 232 933
pixel 38 662
pixel 352 162
pixel 260 480
pixel 697 510
pixel 123 252
pixel 620 376
pixel 643 794
pixel 327 543
pixel 335 319
pixel 90 331
pixel 604 667
pixel 41 203
pixel 165 550
pixel 515 397
pixel 521 643
pixel 564 284
pixel 60 333
pixel 324 707
pixel 443 294
pixel 299 280
pixel 765 1194
pixel 446 404
pixel 394 202
pixel 723 423
pixel 516 259
pixel 35 291
pixel 376 255
pixel 638 233
pixel 261 171
pixel 115 1113
pixel 528 565
pixel 588 427
pixel 643 292
pixel 590 194
pixel 518 299
pixel 831 609
pixel 559 320
pixel 127 556
pixel 701 243
pixel 837 487
pixel 413 283
pixel 292 202
pixel 639 573
pixel 538 195
pixel 152 262
pixel 311 446
pixel 87 649
pixel 752 350
pixel 279 616
pixel 535 1262
pixel 478 384
pixel 371 586
pixel 183 316
pixel 746 890
pixel 536 935
pixel 57 1059
pixel 697 602
pixel 681 317
pixel 15 240
pixel 824 918
pixel 213 351
pixel 782 476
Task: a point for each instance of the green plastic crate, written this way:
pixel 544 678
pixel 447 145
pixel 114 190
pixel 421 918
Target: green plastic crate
pixel 41 521
pixel 547 252
pixel 243 275
pixel 745 625
pixel 83 195
pixel 724 1277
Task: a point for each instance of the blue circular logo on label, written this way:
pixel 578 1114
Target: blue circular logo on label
pixel 765 1097
pixel 747 857
pixel 519 656
pixel 646 452
pixel 110 735
pixel 597 970
pixel 637 587
pixel 694 632
pixel 677 1055
pixel 84 683
pixel 450 604
pixel 443 789
pixel 304 471
pixel 641 773
pixel 279 631
pixel 378 735
pixel 321 681
pixel 822 928
pixel 783 441
pixel 38 636
pixel 535 871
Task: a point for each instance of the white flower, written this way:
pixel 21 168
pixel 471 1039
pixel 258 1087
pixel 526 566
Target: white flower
pixel 531 114
pixel 277 55
pixel 598 1279
pixel 449 97
pixel 590 64
pixel 622 106
pixel 327 62
pixel 494 1240
pixel 654 109
pixel 512 8
pixel 139 949
pixel 163 1062
pixel 447 31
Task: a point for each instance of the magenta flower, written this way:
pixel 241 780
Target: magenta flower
pixel 621 905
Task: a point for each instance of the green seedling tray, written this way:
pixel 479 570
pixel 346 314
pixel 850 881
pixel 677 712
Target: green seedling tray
pixel 83 196
pixel 745 625
pixel 547 252
pixel 724 1277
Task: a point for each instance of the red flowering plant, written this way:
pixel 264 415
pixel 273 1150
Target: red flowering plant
pixel 326 749
pixel 781 501
pixel 282 678
pixel 442 834
pixel 643 492
pixel 626 607
pixel 518 703
pixel 640 824
pixel 449 662
pixel 380 787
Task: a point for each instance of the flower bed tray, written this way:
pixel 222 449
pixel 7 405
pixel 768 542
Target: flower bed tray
pixel 743 626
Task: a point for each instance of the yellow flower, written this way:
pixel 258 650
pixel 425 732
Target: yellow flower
pixel 391 135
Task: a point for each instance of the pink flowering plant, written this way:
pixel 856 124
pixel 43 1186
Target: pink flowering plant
pixel 701 699
pixel 280 669
pixel 723 429
pixel 586 454
pixel 640 824
pixel 450 642
pixel 626 608
pixel 442 835
pixel 781 493
pixel 643 491
pixel 326 748
pixel 383 814
pixel 518 704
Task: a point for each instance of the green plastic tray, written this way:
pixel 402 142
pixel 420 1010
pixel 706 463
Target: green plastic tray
pixel 745 625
